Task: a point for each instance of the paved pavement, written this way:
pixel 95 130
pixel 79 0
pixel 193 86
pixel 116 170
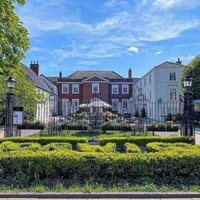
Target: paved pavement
pixel 101 196
pixel 97 199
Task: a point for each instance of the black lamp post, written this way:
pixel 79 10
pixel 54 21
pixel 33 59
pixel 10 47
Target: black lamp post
pixel 52 110
pixel 188 106
pixel 159 109
pixel 9 107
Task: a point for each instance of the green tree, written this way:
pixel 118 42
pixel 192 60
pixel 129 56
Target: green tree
pixel 14 42
pixel 193 69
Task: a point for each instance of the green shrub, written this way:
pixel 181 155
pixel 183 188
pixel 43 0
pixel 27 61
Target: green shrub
pixel 46 140
pixel 32 125
pixel 179 146
pixel 167 166
pixel 132 148
pixel 110 147
pixel 57 146
pixel 142 141
pixel 8 146
pixel 33 146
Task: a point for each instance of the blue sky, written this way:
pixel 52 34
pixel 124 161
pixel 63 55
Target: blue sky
pixel 114 35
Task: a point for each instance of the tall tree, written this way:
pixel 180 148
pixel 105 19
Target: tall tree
pixel 14 42
pixel 193 69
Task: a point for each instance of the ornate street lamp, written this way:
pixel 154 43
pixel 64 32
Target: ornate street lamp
pixel 9 107
pixel 188 106
pixel 11 83
pixel 187 82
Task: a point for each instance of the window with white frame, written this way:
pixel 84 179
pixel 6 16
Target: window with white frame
pixel 95 87
pixel 65 88
pixel 172 76
pixel 114 104
pixel 144 82
pixel 125 104
pixel 115 89
pixel 125 89
pixel 172 94
pixel 75 88
pixel 75 103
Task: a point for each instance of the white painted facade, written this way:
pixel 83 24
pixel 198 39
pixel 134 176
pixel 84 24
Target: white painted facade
pixel 52 97
pixel 158 91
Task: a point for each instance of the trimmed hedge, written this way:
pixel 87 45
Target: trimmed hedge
pixel 132 148
pixel 159 146
pixel 46 140
pixel 9 146
pixel 110 147
pixel 142 141
pixel 161 166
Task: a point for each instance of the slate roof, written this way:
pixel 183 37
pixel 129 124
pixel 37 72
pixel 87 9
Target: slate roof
pixel 53 79
pixel 86 74
pixel 168 64
pixel 37 81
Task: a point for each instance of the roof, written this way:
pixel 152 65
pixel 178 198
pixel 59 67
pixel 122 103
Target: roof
pixel 86 74
pixel 165 64
pixel 37 81
pixel 53 79
pixel 168 64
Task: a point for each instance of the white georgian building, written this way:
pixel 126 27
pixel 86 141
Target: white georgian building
pixel 158 91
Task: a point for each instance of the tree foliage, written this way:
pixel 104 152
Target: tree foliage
pixel 14 42
pixel 193 69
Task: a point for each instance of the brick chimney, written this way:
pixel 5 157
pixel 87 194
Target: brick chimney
pixel 130 73
pixel 179 61
pixel 35 67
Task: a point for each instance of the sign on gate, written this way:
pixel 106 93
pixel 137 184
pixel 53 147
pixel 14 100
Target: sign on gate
pixel 17 115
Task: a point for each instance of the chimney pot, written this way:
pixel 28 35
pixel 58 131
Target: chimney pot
pixel 130 73
pixel 179 61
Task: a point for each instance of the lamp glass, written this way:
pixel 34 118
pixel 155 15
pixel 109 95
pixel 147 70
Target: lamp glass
pixel 11 82
pixel 187 82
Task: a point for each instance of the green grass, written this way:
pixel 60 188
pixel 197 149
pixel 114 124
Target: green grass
pixel 95 134
pixel 91 185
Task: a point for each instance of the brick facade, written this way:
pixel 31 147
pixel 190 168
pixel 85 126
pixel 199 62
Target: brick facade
pixel 103 79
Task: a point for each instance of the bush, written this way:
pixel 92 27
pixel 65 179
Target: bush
pixel 167 166
pixel 132 148
pixel 46 140
pixel 110 147
pixel 167 126
pixel 179 146
pixel 142 141
pixel 32 125
pixel 8 146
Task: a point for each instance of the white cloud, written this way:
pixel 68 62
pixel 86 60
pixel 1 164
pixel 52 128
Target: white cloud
pixel 183 4
pixel 115 3
pixel 158 52
pixel 133 49
pixel 111 34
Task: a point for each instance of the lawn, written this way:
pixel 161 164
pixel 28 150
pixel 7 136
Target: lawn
pixel 96 134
